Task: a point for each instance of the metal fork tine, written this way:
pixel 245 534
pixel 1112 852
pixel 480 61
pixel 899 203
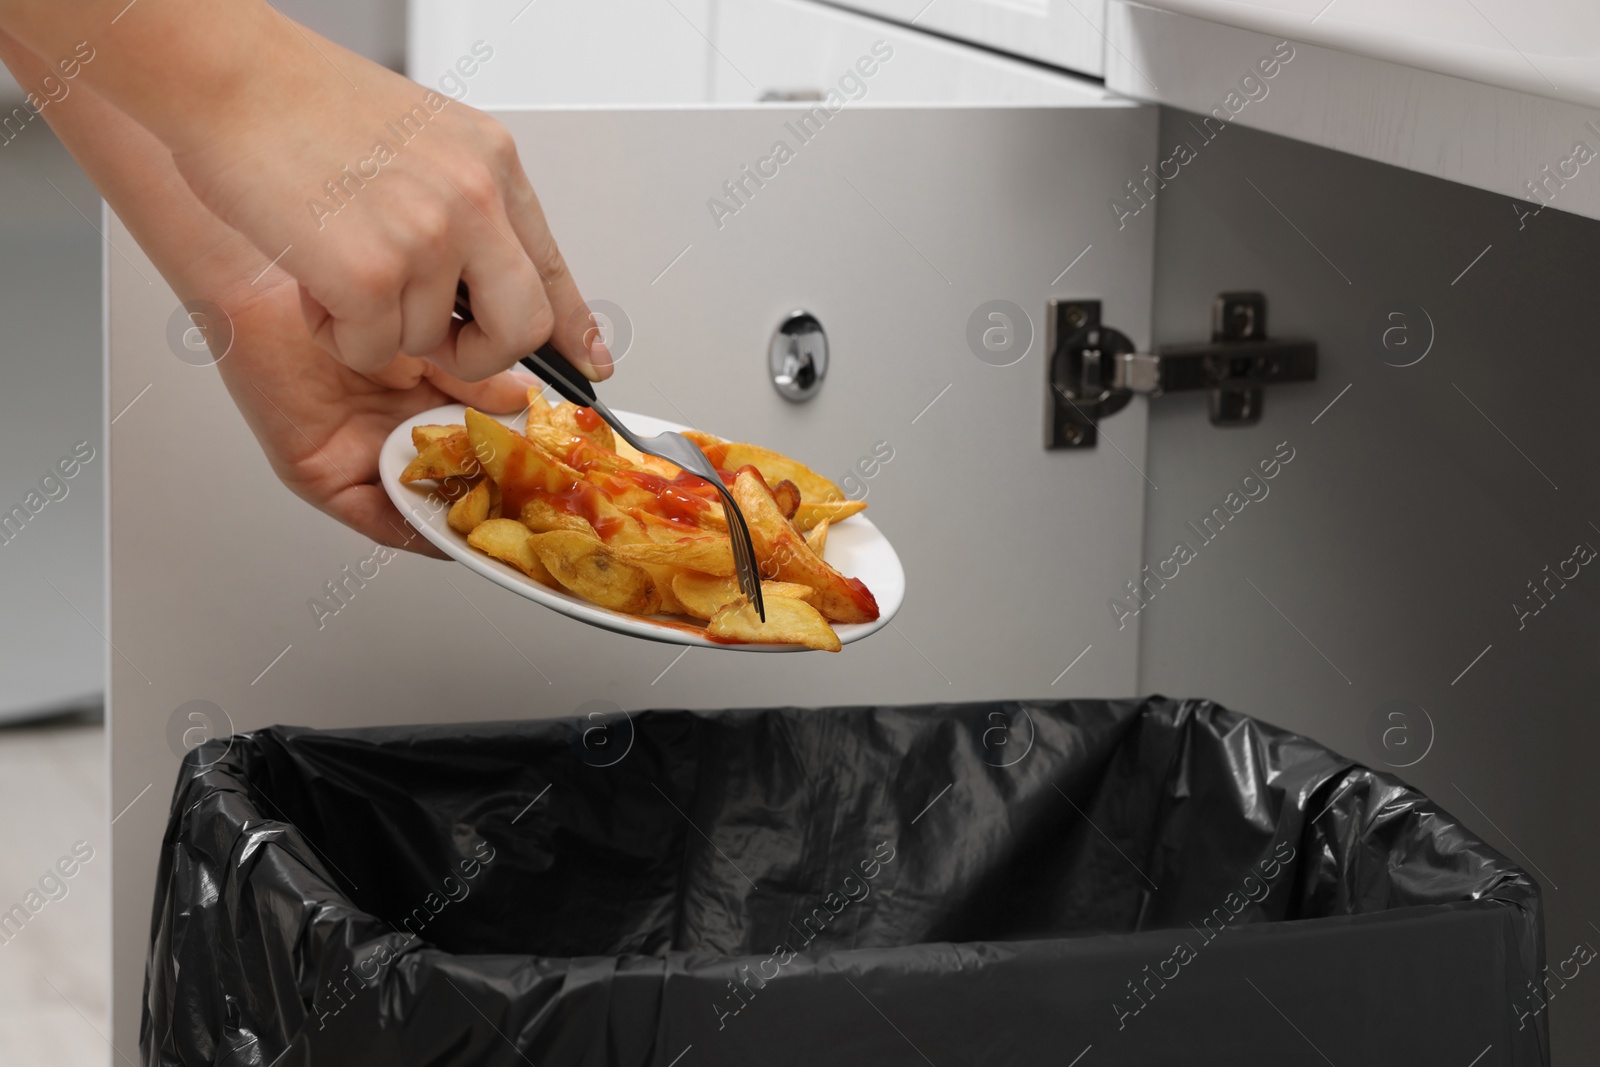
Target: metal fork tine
pixel 745 559
pixel 744 553
pixel 740 556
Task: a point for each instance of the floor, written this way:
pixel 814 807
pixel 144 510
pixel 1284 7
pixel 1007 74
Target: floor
pixel 55 970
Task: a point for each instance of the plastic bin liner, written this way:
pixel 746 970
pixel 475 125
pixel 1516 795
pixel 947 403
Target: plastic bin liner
pixel 1074 883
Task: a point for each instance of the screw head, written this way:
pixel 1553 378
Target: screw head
pixel 1076 317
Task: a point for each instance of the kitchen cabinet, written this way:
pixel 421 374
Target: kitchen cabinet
pixel 1486 95
pixel 1506 105
pixel 950 185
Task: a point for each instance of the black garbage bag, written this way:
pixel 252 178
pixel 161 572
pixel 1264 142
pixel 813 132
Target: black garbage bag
pixel 1074 883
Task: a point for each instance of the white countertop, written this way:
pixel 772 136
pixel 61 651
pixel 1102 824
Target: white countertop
pixel 1428 85
pixel 1548 48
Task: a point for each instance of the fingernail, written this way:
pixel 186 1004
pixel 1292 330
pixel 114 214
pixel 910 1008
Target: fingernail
pixel 599 355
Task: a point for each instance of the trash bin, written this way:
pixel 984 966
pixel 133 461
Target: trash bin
pixel 1066 882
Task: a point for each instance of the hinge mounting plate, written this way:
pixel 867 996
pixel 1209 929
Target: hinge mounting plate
pixel 1094 370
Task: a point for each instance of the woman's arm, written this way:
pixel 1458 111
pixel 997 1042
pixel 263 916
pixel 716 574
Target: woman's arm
pixel 320 423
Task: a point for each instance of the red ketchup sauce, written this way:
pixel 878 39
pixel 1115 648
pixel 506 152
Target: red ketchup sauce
pixel 582 499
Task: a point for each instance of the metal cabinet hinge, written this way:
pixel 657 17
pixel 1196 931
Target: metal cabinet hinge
pixel 1094 370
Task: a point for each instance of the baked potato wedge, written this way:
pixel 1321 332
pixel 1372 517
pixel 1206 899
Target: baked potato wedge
pixel 587 566
pixel 538 409
pixel 812 512
pixel 709 555
pixel 510 541
pixel 541 516
pixel 783 554
pixel 442 452
pixel 789 622
pixel 480 503
pixel 817 537
pixel 703 595
pixel 572 421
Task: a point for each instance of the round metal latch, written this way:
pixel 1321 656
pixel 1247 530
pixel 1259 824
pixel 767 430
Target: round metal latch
pixel 798 357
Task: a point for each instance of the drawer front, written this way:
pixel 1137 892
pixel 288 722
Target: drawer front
pixel 1063 33
pixel 509 53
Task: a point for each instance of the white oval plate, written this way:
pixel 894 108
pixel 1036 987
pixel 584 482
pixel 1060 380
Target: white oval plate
pixel 855 548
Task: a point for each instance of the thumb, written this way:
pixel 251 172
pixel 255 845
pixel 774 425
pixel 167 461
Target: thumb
pixel 503 392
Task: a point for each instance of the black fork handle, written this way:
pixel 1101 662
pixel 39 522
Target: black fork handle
pixel 547 363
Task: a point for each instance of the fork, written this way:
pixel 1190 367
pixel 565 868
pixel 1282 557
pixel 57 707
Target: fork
pixel 552 367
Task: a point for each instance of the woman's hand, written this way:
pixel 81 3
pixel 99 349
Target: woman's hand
pixel 322 424
pixel 380 197
pixel 377 195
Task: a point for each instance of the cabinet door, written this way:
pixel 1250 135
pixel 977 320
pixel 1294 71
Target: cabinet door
pixel 1063 33
pixel 499 53
pixel 899 226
